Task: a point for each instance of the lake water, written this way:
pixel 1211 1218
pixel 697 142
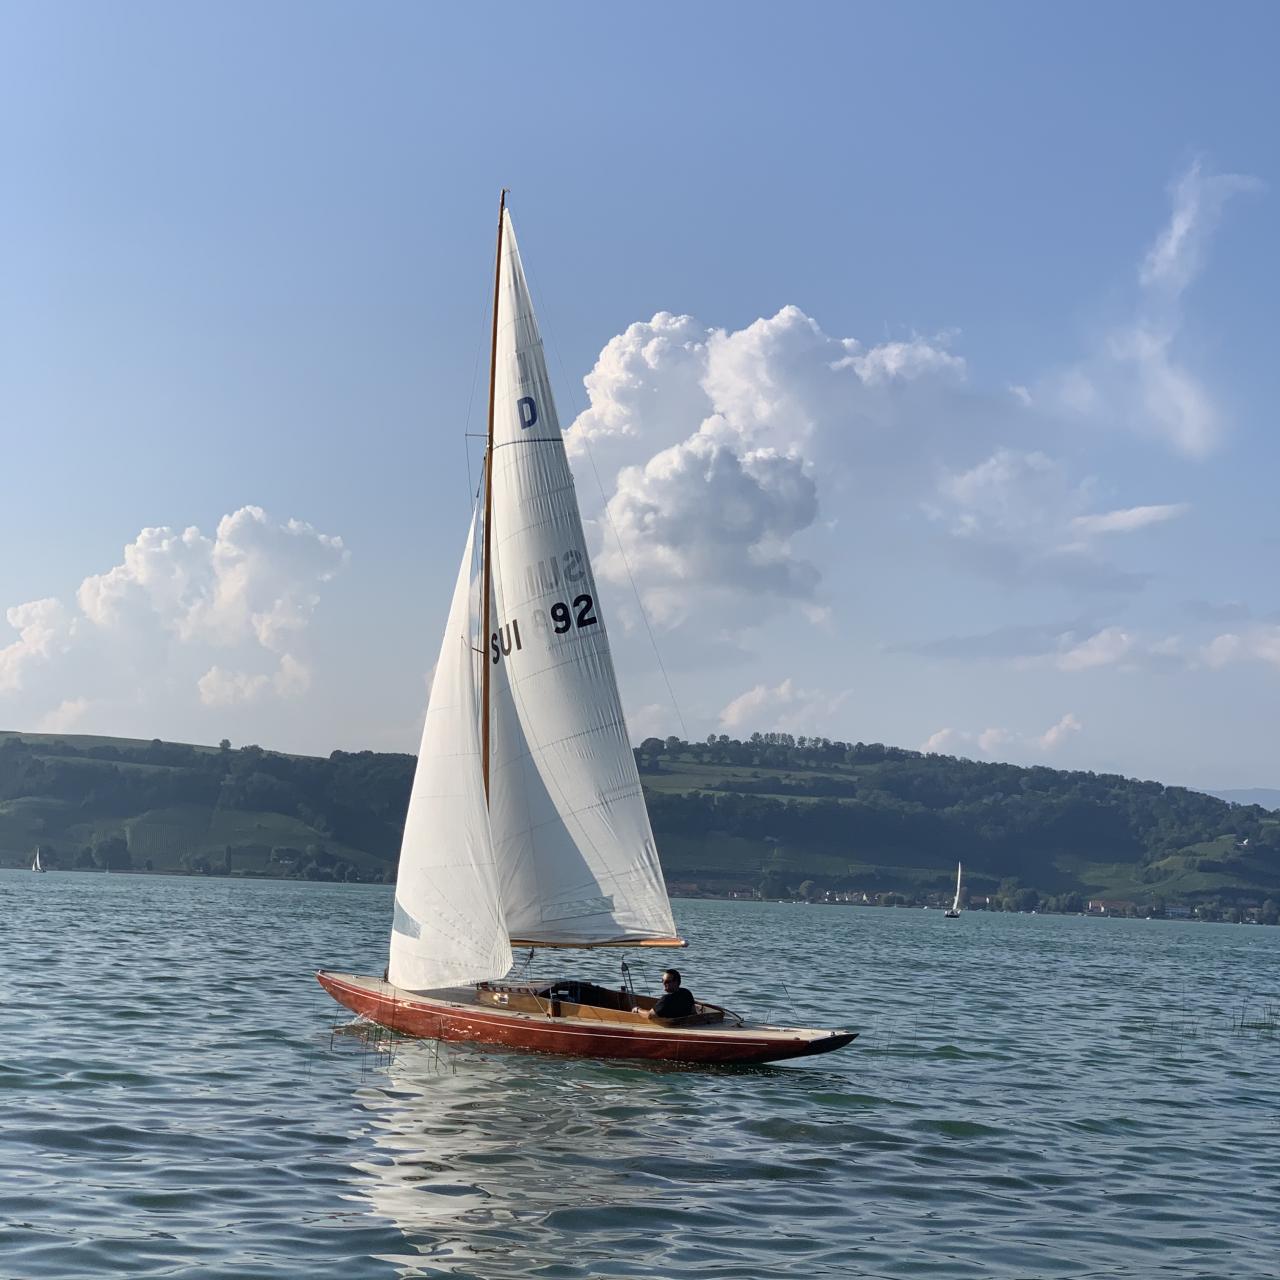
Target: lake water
pixel 1031 1096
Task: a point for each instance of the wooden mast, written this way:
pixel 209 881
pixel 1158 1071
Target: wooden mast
pixel 485 577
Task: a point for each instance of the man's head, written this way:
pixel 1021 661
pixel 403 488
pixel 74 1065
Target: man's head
pixel 671 979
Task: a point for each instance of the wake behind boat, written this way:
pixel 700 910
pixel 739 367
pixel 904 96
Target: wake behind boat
pixel 527 823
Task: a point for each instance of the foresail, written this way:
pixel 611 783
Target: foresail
pixel 571 833
pixel 448 927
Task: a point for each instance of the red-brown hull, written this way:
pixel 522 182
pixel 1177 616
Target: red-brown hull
pixel 435 1018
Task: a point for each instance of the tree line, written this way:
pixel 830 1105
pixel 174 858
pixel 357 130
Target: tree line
pixel 863 801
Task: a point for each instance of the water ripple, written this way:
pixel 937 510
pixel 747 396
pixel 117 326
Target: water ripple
pixel 1029 1097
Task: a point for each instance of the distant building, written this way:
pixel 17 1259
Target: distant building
pixel 1109 907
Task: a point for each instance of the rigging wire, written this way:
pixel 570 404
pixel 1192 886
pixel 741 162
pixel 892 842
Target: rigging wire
pixel 467 433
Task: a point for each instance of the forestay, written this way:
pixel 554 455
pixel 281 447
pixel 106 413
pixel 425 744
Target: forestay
pixel 571 833
pixel 448 927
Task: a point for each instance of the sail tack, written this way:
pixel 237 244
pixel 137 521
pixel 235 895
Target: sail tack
pixel 571 833
pixel 448 927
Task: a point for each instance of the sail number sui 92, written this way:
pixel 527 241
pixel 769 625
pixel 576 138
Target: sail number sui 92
pixel 562 617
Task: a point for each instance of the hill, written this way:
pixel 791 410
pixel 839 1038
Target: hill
pixel 772 814
pixel 1266 797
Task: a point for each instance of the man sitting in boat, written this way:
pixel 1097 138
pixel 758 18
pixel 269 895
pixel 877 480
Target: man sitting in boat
pixel 676 1001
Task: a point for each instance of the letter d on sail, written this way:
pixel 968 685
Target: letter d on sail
pixel 528 412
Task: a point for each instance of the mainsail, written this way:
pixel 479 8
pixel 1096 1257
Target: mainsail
pixel 448 927
pixel 571 834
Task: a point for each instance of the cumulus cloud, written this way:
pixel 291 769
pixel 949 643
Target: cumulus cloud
pixel 993 741
pixel 255 580
pixel 43 629
pixel 1138 377
pixel 148 625
pixel 784 707
pixel 1103 649
pixel 701 514
pixel 67 715
pixel 944 742
pixel 1256 644
pixel 714 441
pixel 1056 734
pixel 221 688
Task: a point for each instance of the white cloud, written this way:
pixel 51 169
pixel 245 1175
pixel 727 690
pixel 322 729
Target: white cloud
pixel 942 743
pixel 1177 255
pixel 1007 742
pixel 700 516
pixel 1020 517
pixel 43 629
pixel 255 580
pixel 653 720
pixel 1138 378
pixel 69 713
pixel 715 441
pixel 901 360
pixel 646 382
pixel 1105 648
pixel 1055 735
pixel 146 628
pixel 293 678
pixel 1011 492
pixel 784 707
pixel 1257 644
pixel 163 576
pixel 1129 519
pixel 221 688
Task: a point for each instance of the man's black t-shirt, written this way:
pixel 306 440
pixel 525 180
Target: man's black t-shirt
pixel 675 1004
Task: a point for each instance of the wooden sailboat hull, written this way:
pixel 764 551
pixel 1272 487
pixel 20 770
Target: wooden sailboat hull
pixel 455 1016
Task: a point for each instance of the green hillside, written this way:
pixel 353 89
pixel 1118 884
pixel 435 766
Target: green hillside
pixel 771 814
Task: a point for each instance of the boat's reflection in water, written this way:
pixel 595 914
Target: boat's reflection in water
pixel 494 1164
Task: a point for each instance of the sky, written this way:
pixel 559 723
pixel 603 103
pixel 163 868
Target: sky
pixel 916 361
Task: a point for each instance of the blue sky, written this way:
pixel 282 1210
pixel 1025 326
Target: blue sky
pixel 928 361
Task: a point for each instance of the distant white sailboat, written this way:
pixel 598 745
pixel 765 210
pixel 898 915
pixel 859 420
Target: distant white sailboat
pixel 954 913
pixel 35 862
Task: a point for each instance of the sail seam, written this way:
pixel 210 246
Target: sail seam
pixel 506 444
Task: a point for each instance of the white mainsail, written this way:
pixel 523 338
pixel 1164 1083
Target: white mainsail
pixel 448 927
pixel 571 833
pixel 955 906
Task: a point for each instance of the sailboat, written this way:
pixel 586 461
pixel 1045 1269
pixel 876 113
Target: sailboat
pixel 527 824
pixel 954 912
pixel 36 865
